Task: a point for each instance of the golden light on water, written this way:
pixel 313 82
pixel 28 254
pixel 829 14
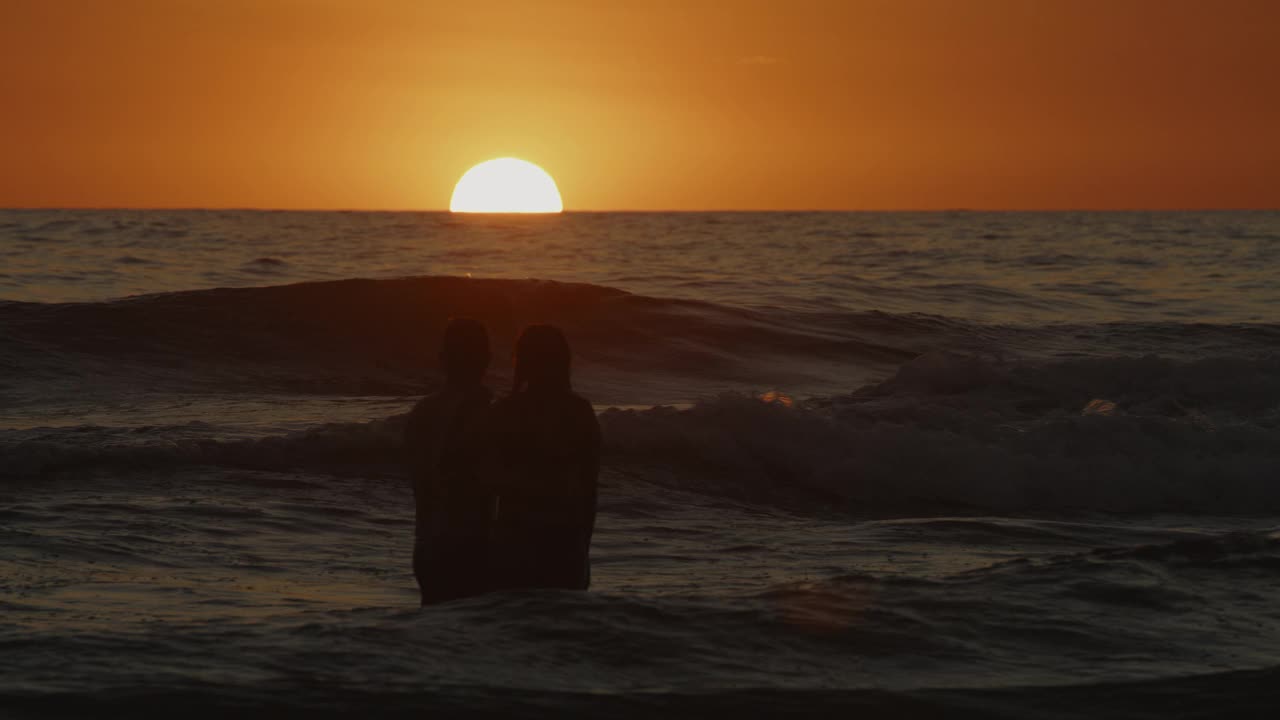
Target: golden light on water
pixel 506 185
pixel 776 397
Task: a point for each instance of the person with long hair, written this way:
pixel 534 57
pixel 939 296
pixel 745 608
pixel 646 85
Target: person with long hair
pixel 542 457
pixel 453 510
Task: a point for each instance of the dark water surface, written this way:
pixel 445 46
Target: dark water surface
pixel 901 464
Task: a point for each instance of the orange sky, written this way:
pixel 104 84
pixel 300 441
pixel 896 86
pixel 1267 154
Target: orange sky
pixel 643 104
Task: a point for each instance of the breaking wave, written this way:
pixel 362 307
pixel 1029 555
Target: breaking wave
pixel 377 337
pixel 945 434
pixel 953 433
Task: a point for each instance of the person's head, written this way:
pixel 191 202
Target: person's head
pixel 542 360
pixel 464 351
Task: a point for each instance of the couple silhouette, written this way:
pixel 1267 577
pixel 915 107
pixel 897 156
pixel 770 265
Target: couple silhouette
pixel 505 491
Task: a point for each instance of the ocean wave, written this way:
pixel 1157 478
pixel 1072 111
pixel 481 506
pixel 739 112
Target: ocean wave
pixel 332 447
pixel 945 434
pixel 379 337
pixel 954 433
pixel 1043 630
pixel 265 266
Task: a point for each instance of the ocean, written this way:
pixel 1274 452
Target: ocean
pixel 950 464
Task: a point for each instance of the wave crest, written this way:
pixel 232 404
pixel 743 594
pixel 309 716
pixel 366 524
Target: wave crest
pixel 954 433
pixel 946 434
pixel 379 336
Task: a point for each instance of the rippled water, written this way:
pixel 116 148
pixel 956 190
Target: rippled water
pixel 893 464
pixel 996 267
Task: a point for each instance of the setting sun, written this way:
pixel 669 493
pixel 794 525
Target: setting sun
pixel 506 185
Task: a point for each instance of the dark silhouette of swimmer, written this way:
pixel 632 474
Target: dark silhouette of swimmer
pixel 454 513
pixel 542 456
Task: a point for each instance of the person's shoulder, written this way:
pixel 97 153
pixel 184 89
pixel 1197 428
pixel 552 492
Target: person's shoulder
pixel 515 402
pixel 448 400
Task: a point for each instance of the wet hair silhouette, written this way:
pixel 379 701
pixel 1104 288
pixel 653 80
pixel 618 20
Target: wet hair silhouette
pixel 542 360
pixel 464 351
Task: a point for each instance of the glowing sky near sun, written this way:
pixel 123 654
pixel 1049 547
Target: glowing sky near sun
pixel 670 104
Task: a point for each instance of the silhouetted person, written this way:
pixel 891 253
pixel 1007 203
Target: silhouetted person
pixel 542 455
pixel 454 513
